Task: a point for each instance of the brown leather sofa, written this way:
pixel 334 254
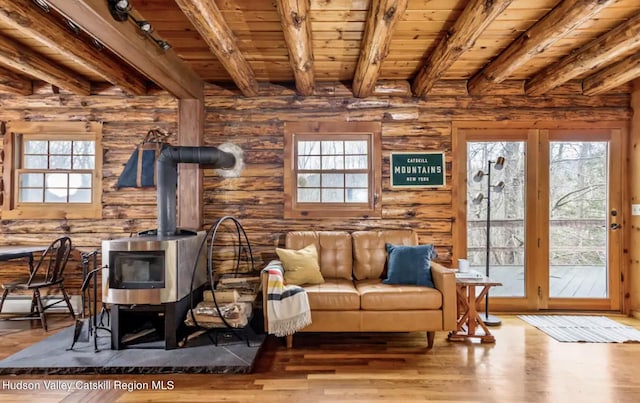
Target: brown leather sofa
pixel 353 297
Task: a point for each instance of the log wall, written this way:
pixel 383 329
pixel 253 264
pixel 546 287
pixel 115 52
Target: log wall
pixel 633 229
pixel 256 124
pixel 408 124
pixel 125 211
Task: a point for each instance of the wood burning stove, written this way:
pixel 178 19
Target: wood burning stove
pixel 151 278
pixel 157 274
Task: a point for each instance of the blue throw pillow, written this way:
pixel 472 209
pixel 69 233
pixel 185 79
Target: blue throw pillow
pixel 410 265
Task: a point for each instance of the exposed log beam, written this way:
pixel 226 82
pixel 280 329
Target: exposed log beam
pixel 475 18
pixel 13 83
pixel 296 26
pixel 19 58
pixel 624 38
pixel 557 24
pixel 613 76
pixel 209 22
pixel 125 40
pixel 381 22
pixel 25 16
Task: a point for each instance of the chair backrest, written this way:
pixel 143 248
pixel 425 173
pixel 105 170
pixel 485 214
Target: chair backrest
pixel 51 265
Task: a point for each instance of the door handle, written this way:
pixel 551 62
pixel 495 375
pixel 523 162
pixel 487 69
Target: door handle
pixel 615 226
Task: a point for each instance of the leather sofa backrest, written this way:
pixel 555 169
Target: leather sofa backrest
pixel 334 250
pixel 370 252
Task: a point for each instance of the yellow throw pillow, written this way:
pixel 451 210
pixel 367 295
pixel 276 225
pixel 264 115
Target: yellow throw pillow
pixel 301 266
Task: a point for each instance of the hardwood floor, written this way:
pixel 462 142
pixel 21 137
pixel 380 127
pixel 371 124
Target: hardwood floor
pixel 524 365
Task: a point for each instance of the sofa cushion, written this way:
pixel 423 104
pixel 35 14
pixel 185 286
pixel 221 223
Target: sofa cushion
pixel 410 265
pixel 334 295
pixel 377 296
pixel 334 250
pixel 300 266
pixel 370 253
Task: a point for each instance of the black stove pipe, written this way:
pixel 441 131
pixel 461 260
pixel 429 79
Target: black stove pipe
pixel 167 170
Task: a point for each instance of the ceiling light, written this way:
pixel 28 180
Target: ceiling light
pixel 145 26
pixel 42 4
pixel 123 5
pixel 120 12
pixel 72 26
pixel 119 9
pixel 96 44
pixel 164 45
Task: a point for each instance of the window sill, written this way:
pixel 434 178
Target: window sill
pixel 329 213
pixel 50 212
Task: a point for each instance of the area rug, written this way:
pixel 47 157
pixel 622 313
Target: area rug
pixel 200 355
pixel 587 329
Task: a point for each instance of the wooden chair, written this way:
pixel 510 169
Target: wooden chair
pixel 47 273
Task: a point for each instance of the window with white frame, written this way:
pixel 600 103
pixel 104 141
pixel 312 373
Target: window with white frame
pixel 332 169
pixel 55 170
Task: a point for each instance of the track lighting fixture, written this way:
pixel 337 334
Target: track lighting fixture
pixel 72 26
pixel 42 4
pixel 145 26
pixel 120 12
pixel 96 44
pixel 164 45
pixel 119 9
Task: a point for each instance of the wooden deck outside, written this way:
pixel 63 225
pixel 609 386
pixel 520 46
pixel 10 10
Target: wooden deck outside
pixel 565 281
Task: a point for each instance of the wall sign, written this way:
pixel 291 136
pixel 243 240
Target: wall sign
pixel 417 169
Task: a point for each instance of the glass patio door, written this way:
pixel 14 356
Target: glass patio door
pixel 499 229
pixel 583 230
pixel 552 237
pixel 496 231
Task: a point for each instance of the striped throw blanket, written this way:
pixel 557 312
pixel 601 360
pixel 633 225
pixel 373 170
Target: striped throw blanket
pixel 287 305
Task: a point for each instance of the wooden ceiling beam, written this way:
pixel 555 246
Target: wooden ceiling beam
pixel 558 23
pixel 475 18
pixel 27 18
pixel 296 26
pixel 20 58
pixel 606 48
pixel 210 24
pixel 613 76
pixel 382 19
pixel 124 39
pixel 13 83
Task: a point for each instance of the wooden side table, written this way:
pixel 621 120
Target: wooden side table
pixel 469 318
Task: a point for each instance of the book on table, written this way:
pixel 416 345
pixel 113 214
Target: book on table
pixel 469 274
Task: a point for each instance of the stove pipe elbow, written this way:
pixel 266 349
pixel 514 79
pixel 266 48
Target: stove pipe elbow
pixel 167 174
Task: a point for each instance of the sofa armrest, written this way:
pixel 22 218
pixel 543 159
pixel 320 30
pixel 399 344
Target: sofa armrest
pixel 264 280
pixel 445 281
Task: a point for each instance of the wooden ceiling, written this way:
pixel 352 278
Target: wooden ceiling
pixel 536 44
